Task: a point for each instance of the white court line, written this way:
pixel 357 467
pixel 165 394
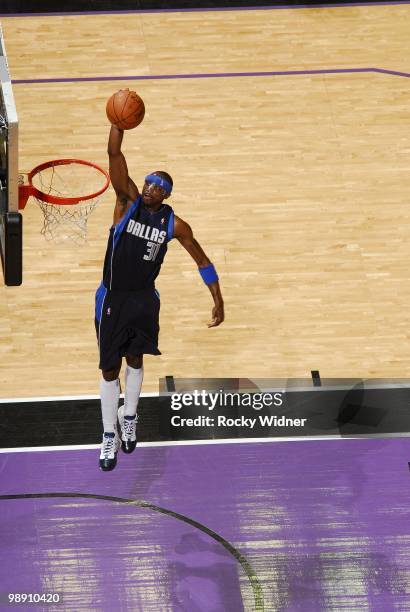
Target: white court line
pixel 61 398
pixel 337 437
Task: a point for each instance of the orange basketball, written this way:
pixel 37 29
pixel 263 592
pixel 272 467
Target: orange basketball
pixel 125 109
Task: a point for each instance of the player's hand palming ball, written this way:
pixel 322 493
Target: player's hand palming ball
pixel 125 109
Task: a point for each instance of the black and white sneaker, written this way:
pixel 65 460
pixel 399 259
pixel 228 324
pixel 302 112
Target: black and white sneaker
pixel 128 431
pixel 109 448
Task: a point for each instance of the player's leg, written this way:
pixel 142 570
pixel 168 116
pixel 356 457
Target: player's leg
pixel 110 326
pixel 110 394
pixel 144 323
pixel 127 414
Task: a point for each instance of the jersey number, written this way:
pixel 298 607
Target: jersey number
pixel 152 252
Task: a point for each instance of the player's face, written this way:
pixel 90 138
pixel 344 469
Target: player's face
pixel 152 194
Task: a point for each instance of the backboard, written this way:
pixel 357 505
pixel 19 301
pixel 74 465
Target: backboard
pixel 10 218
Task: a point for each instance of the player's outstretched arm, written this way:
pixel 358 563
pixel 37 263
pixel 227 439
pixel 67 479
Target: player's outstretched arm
pixel 183 233
pixel 124 186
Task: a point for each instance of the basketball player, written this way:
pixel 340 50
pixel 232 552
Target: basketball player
pixel 127 303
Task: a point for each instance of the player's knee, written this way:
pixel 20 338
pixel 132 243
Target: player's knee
pixel 110 375
pixel 134 361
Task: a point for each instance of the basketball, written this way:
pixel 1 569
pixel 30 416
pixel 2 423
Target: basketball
pixel 125 109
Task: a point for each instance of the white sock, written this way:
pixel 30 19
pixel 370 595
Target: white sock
pixel 133 383
pixel 110 394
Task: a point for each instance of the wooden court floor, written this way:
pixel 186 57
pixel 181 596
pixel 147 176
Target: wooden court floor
pixel 295 184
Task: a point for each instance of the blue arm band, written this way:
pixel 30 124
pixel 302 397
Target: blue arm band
pixel 208 274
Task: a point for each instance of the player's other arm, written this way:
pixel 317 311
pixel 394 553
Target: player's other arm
pixel 124 186
pixel 184 235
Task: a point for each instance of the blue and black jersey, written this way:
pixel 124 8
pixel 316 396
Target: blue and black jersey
pixel 136 248
pixel 126 303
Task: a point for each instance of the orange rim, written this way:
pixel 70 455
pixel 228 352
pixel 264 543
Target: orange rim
pixel 60 200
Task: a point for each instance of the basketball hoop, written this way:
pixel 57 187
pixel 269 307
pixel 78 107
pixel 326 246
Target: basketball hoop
pixel 54 184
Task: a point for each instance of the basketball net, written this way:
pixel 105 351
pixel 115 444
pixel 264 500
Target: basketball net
pixel 54 185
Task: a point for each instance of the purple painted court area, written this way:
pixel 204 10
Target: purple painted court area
pixel 323 525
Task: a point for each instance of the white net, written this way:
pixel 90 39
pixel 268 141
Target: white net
pixel 68 222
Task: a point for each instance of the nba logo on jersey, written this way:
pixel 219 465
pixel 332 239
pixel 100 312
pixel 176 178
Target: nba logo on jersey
pixel 162 220
pixel 108 312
